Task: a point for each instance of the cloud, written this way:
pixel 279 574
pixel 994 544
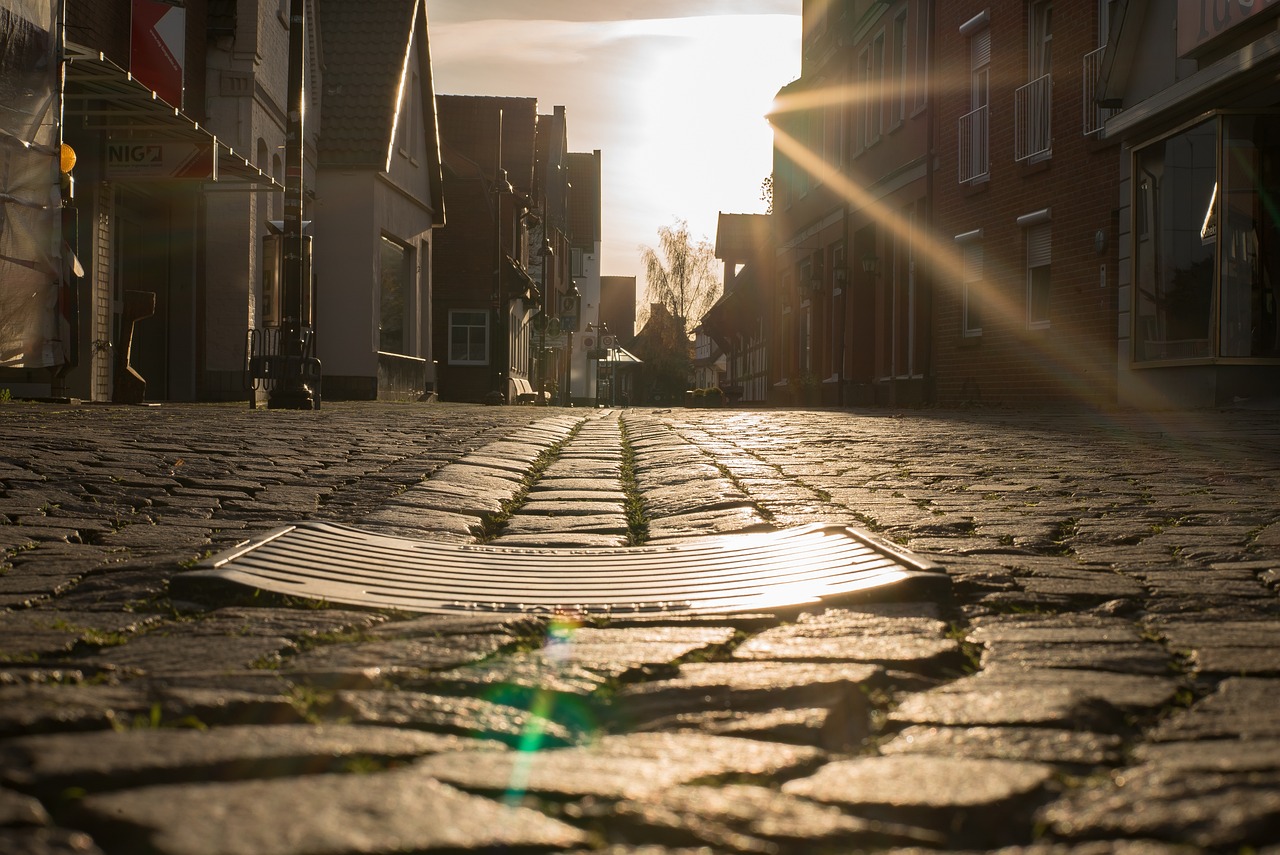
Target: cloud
pixel 445 11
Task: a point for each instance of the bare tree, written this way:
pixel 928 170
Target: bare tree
pixel 681 274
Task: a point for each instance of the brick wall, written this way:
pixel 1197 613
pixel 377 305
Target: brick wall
pixel 1073 359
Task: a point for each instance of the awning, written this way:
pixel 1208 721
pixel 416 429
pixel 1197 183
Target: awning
pixel 619 356
pixel 104 97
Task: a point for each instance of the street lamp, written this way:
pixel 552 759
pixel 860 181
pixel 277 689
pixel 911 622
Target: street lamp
pixel 292 391
pixel 547 253
pixel 501 187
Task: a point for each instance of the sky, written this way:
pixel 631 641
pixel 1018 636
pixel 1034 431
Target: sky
pixel 672 92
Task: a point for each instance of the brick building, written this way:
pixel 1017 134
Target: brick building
pixel 484 298
pixel 852 180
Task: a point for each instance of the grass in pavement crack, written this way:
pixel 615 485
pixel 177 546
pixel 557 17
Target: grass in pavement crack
pixel 493 524
pixel 633 504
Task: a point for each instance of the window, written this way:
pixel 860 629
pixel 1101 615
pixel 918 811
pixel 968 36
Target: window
pixel 395 279
pixel 1249 240
pixel 876 97
pixel 1174 266
pixel 973 125
pixel 898 104
pixel 971 299
pixel 1040 39
pixel 468 337
pixel 923 32
pixel 1031 105
pixel 409 121
pixel 1039 246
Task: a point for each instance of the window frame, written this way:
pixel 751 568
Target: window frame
pixel 454 325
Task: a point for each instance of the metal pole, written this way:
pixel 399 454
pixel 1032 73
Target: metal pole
pixel 292 393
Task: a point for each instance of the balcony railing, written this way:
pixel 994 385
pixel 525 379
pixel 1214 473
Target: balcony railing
pixel 1094 116
pixel 1032 131
pixel 973 159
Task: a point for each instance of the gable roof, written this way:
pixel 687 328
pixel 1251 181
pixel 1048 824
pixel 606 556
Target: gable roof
pixel 367 47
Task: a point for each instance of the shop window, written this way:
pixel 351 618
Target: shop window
pixel 1039 246
pixel 395 279
pixel 1249 243
pixel 1207 253
pixel 468 337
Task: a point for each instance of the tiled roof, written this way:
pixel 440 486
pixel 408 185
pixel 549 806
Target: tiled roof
pixel 364 46
pixel 738 236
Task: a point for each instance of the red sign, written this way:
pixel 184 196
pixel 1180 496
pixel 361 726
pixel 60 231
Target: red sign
pixel 1202 21
pixel 136 160
pixel 158 47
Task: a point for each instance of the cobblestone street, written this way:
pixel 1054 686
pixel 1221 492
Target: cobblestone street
pixel 1104 677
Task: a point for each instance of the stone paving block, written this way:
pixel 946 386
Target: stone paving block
pixel 575 508
pixel 520 674
pixel 829 728
pixel 405 655
pixel 1054 629
pixel 1133 693
pixel 620 766
pixel 1036 744
pixel 50 631
pixel 590 523
pixel 1124 658
pixel 696 526
pixel 755 819
pixel 1212 811
pixel 1212 755
pixel 167 651
pixel 462 716
pixel 970 801
pixel 1010 706
pixel 110 760
pixel 457 498
pixel 387 812
pixel 827 644
pixel 46 841
pixel 43 708
pixel 550 491
pixel 731 697
pixel 1240 708
pixel 425 523
pixel 21 809
pixel 693 497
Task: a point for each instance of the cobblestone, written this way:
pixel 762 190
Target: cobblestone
pixel 1103 679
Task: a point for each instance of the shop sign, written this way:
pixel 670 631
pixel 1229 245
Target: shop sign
pixel 136 160
pixel 157 47
pixel 1202 21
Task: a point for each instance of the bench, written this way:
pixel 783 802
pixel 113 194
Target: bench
pixel 525 393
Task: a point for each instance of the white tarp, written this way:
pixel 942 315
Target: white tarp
pixel 33 331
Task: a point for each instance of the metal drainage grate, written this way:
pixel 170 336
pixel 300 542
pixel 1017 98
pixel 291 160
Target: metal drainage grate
pixel 736 573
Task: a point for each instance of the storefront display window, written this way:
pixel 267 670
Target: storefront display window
pixel 1207 259
pixel 1250 242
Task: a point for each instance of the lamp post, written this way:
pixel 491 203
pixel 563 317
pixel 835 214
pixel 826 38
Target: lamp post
pixel 501 187
pixel 572 302
pixel 547 253
pixel 292 393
